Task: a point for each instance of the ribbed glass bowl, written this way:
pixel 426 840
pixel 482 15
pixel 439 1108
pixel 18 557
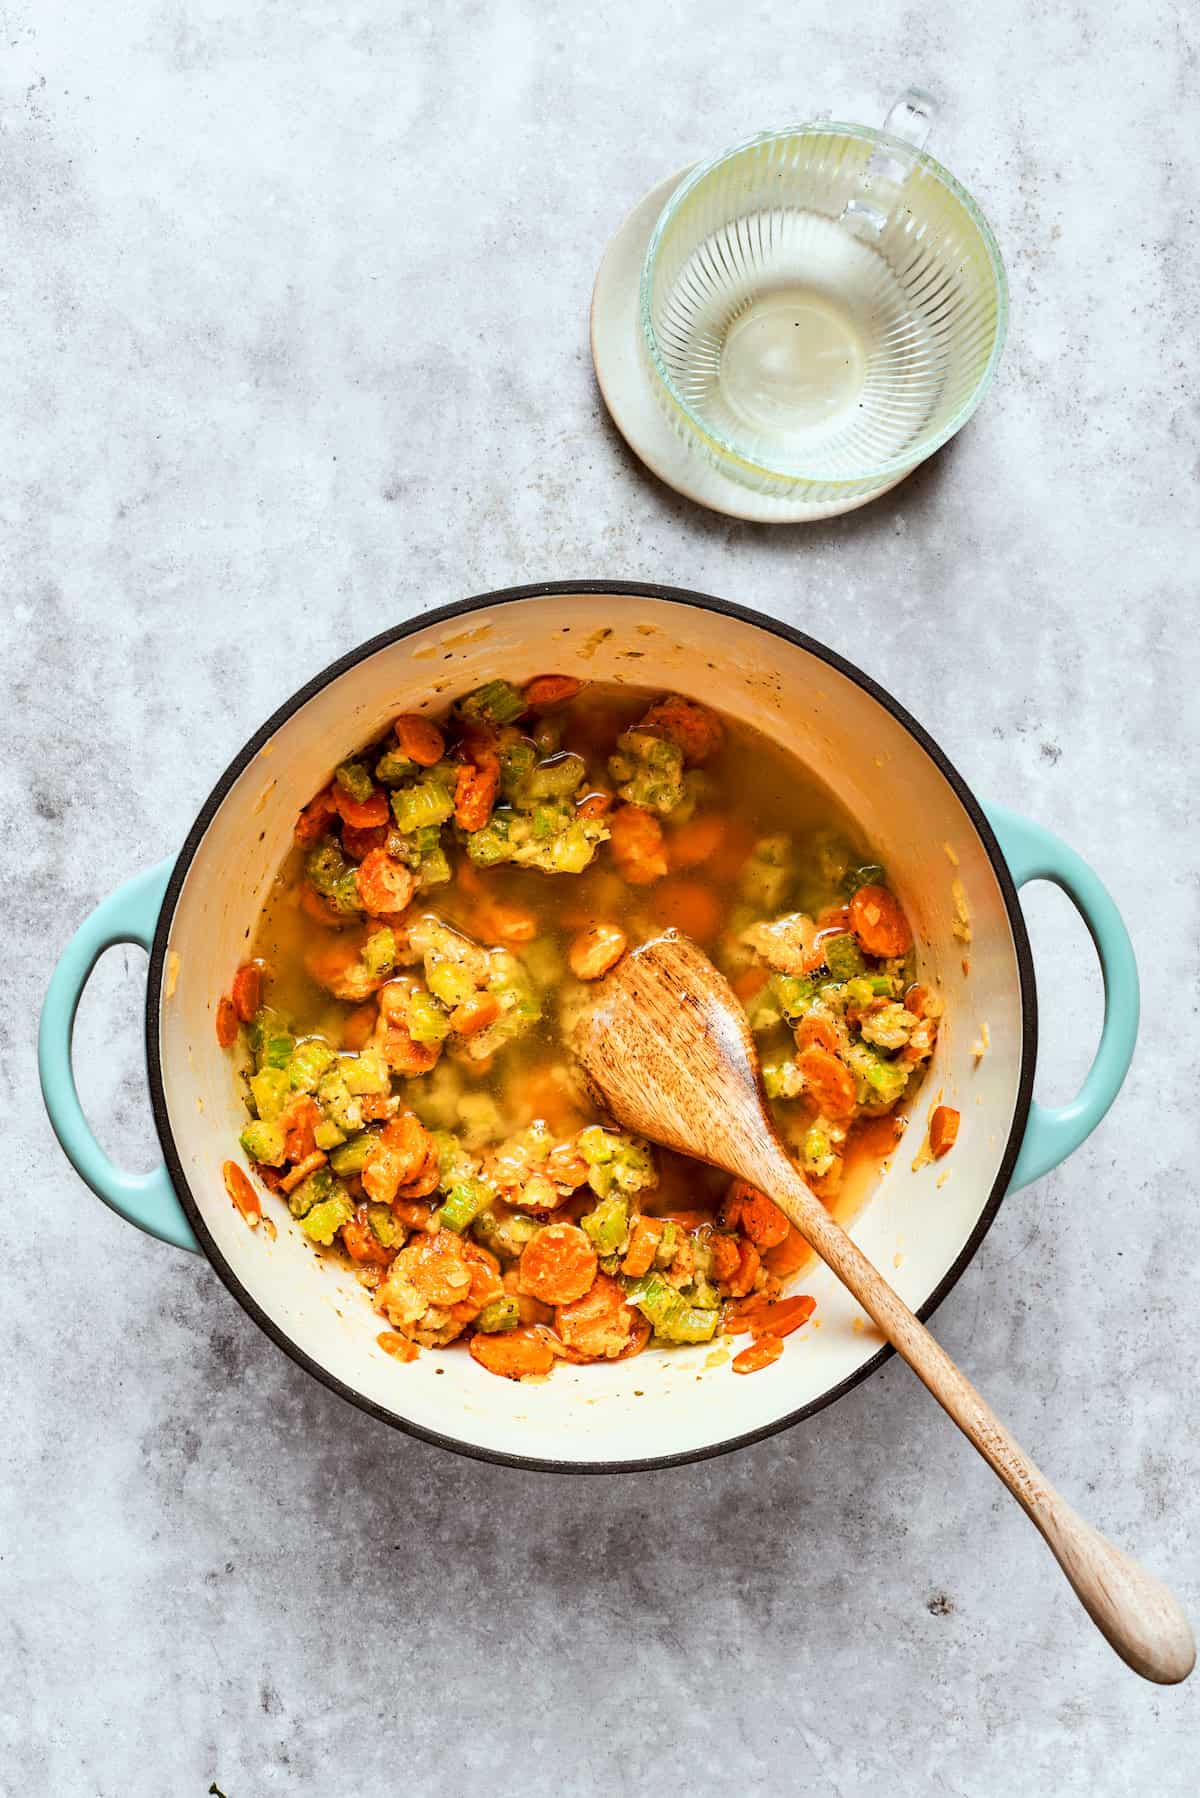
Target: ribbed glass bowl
pixel 816 322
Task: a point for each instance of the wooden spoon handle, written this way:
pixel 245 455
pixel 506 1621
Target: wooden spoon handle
pixel 1137 1614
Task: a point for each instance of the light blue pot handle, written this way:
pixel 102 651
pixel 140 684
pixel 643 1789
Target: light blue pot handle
pixel 1054 1132
pixel 127 916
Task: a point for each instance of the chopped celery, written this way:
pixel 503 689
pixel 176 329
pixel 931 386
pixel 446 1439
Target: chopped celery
pixel 505 1236
pixel 615 1161
pixel 450 983
pixel 323 1220
pixel 496 702
pixel 366 1072
pixel 793 995
pixel 462 1206
pixel 351 1157
pixel 392 768
pixel 454 1164
pixel 271 1043
pixel 668 1245
pixel 517 762
pixel 325 865
pixel 887 1080
pixel 648 770
pixel 386 1228
pixel 557 777
pixel 426 1019
pixel 669 1313
pixel 782 1079
pixel 500 1314
pixel 490 845
pixel 309 1060
pixel 426 802
pixel 817 1153
pixel 354 778
pixel 271 1090
pixel 870 875
pixel 865 987
pixel 339 1104
pixel 345 895
pixel 379 952
pixel 263 1141
pixel 703 1293
pixel 607 1226
pixel 314 1191
pixel 843 957
pixel 433 869
pixel 326 1135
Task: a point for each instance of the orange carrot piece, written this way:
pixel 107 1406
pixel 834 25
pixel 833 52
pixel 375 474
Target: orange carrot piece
pixel 384 884
pixel 878 921
pixel 314 905
pixel 474 1014
pixel 637 845
pixel 693 845
pixel 594 805
pixel 299 1118
pixel 786 1256
pixel 546 690
pixel 759 1354
pixel 475 790
pixel 358 844
pixel 747 1209
pixel 392 1343
pixel 749 982
pixel 695 727
pixel 420 740
pixel 247 991
pixel 558 1265
pixel 596 1326
pixel 315 819
pixel 361 1242
pixel 828 1080
pixel 517 1355
pixel 296 1176
pixel 943 1130
pixel 238 1186
pixel 818 1031
pixel 227 1023
pixel 644 1239
pixel 362 814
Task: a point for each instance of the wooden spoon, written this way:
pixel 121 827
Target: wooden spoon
pixel 669 1054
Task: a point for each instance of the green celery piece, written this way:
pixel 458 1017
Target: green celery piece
pixel 263 1141
pixel 386 1228
pixel 496 702
pixel 323 1221
pixel 354 778
pixel 271 1090
pixel 345 894
pixel 669 1313
pixel 500 1314
pixel 450 983
pixel 364 1073
pixel 871 874
pixel 668 1245
pixel 392 768
pixel 351 1157
pixel 325 866
pixel 557 777
pixel 327 1135
pixel 462 1206
pixel 887 1080
pixel 843 957
pixel 517 762
pixel 433 869
pixel 607 1226
pixel 309 1060
pixel 425 803
pixel 379 952
pixel 426 1020
pixel 314 1191
pixel 793 995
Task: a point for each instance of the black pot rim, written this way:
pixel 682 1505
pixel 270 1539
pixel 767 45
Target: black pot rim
pixel 632 590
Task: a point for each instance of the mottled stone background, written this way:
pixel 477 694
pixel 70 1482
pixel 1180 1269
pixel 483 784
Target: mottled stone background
pixel 294 344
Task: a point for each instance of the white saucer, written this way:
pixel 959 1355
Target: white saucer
pixel 634 407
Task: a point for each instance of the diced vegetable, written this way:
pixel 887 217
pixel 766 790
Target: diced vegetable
pixel 366 1072
pixel 463 1205
pixel 769 873
pixel 314 1191
pixel 496 702
pixel 379 952
pixel 427 802
pixel 351 1157
pixel 309 1060
pixel 648 771
pixel 392 768
pixel 607 1226
pixel 870 875
pixel 425 1018
pixel 386 1226
pixel 263 1141
pixel 500 1314
pixel 324 1219
pixel 843 957
pixel 615 1161
pixel 669 1313
pixel 271 1090
pixel 354 778
pixel 326 1134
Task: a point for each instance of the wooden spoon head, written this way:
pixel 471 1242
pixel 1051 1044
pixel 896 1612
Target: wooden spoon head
pixel 667 1051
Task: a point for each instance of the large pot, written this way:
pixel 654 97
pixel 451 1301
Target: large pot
pixel 194 916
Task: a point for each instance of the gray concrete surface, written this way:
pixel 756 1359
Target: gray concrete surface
pixel 294 343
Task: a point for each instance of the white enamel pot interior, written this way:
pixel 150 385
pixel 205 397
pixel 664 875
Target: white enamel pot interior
pixel 920 1227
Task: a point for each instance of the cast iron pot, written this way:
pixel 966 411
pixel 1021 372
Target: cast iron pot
pixel 194 917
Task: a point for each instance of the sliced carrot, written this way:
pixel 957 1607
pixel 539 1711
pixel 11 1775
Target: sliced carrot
pixel 437 1267
pixel 485 1286
pixel 361 1242
pixel 362 814
pixel 474 1014
pixel 238 1186
pixel 817 1030
pixel 247 991
pixel 296 1176
pixel 400 1155
pixel 916 999
pixel 689 906
pixel 878 921
pixel 418 739
pixel 759 1354
pixel 227 1023
pixel 769 1317
pixel 558 1265
pixel 403 1055
pixel 594 805
pixel 392 1343
pixel 529 1310
pixel 747 1209
pixel 315 819
pixel 943 1130
pixel 517 1355
pixel 740 1280
pixel 596 1326
pixel 786 1256
pixel 384 884
pixel 637 845
pixel 644 1238
pixel 499 923
pixel 359 1027
pixel 546 690
pixel 695 843
pixel 566 1166
pixel 475 790
pixel 829 1081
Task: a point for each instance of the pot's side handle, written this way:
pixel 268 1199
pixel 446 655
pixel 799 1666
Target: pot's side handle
pixel 1054 1132
pixel 127 916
